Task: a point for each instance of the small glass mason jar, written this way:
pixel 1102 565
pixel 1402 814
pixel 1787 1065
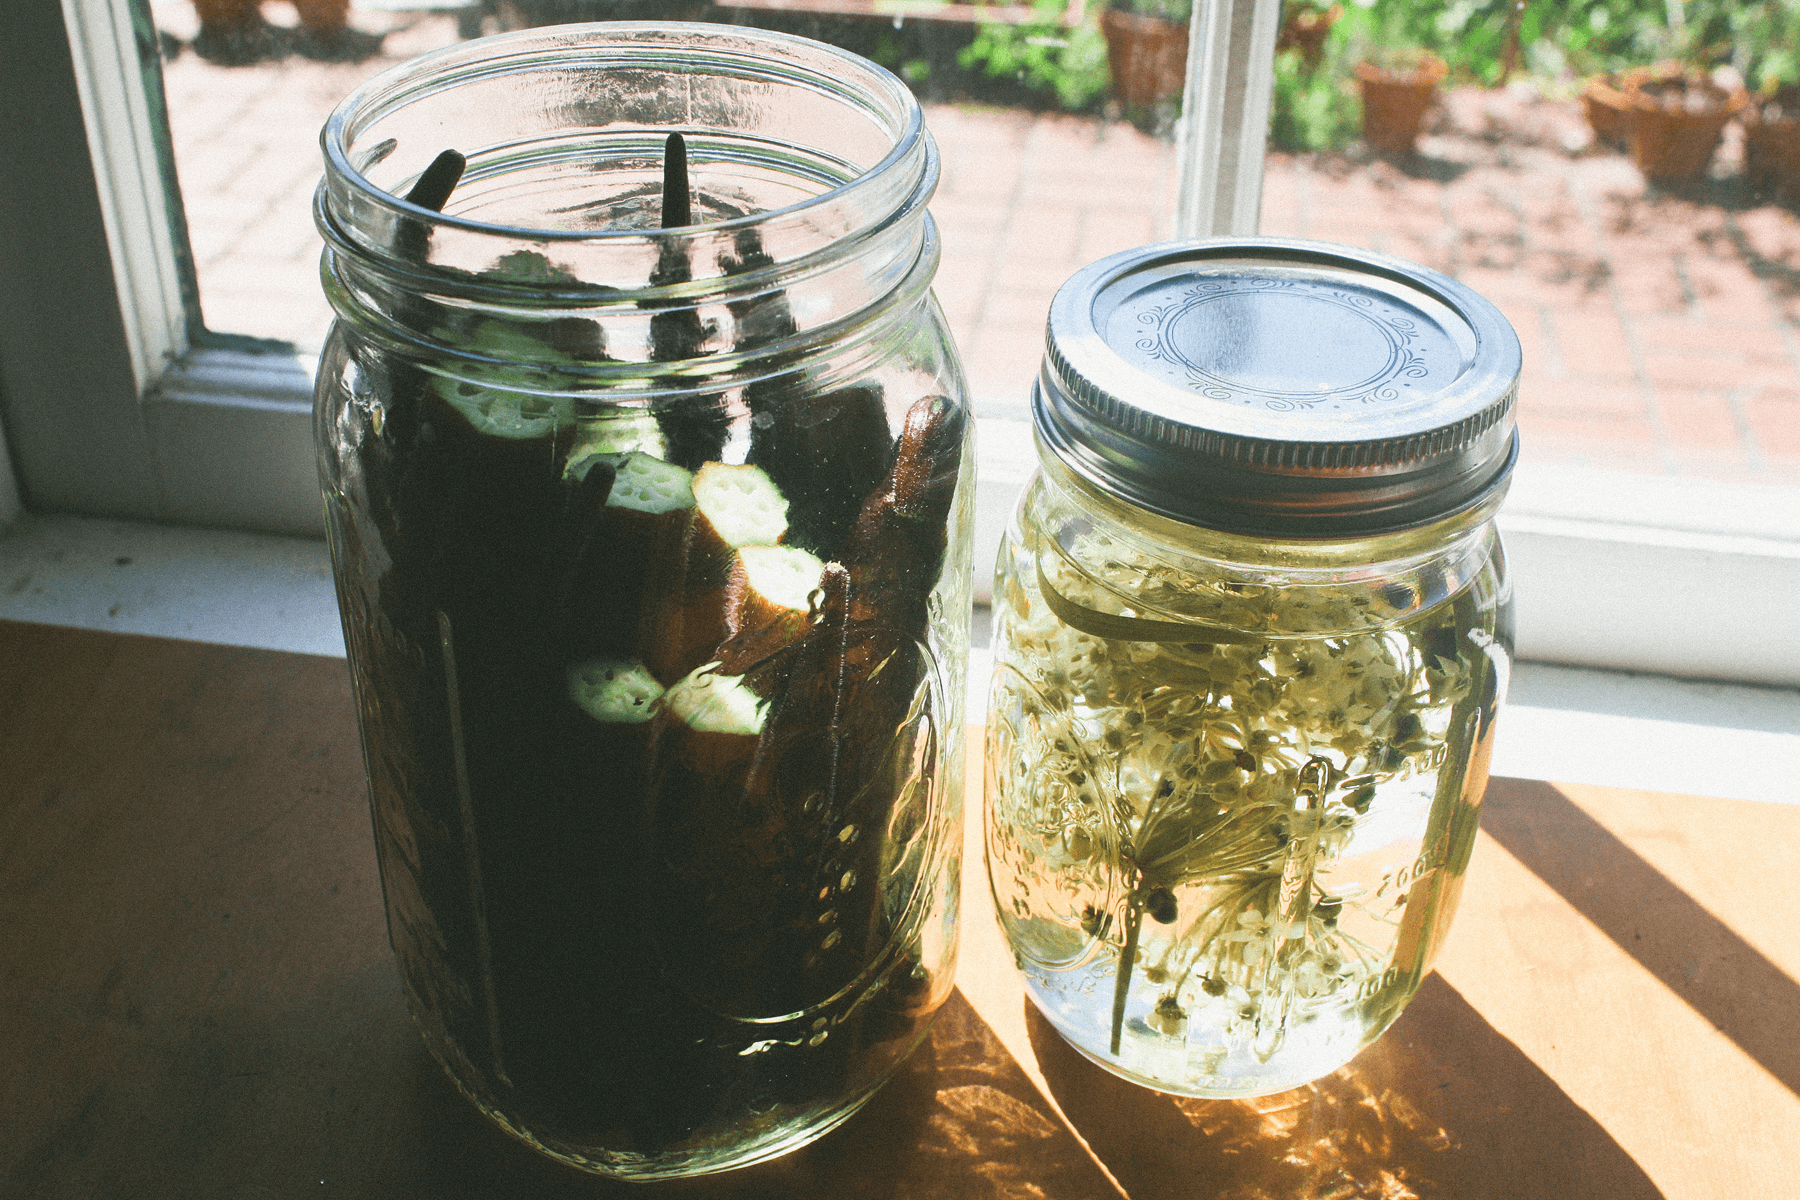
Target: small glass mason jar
pixel 652 548
pixel 1252 627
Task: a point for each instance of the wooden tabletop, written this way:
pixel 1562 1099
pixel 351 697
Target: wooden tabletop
pixel 197 998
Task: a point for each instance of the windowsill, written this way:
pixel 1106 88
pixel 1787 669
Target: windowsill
pixel 1562 723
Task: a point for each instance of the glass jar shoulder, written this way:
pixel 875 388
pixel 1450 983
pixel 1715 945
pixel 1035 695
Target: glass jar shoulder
pixel 1123 573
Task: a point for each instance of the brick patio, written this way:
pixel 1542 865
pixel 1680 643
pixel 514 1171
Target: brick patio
pixel 1661 331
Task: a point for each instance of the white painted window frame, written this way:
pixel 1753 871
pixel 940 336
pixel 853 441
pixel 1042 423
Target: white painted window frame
pixel 1225 116
pixel 130 412
pixel 121 142
pixel 231 428
pixel 132 418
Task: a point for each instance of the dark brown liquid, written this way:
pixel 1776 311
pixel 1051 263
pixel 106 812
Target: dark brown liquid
pixel 598 922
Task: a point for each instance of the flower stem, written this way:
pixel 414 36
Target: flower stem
pixel 1134 916
pixel 1293 907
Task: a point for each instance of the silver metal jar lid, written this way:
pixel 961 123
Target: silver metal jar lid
pixel 1278 386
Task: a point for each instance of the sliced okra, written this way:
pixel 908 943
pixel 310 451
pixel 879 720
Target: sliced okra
pixel 708 702
pixel 741 503
pixel 612 435
pixel 614 691
pixel 498 410
pixel 646 484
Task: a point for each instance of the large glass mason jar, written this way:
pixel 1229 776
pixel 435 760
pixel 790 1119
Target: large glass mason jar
pixel 648 489
pixel 1252 628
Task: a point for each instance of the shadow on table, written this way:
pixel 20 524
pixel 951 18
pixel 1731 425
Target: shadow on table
pixel 197 998
pixel 1442 1106
pixel 1697 956
pixel 959 1119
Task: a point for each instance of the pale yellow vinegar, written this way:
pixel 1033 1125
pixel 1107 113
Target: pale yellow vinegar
pixel 1211 1048
pixel 1273 848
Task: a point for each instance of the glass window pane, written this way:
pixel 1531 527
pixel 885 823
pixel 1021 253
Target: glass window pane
pixel 1047 165
pixel 244 120
pixel 1655 316
pixel 1027 199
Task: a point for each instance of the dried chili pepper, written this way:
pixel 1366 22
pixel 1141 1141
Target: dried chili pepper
pixel 894 555
pixel 731 849
pixel 686 613
pixel 694 422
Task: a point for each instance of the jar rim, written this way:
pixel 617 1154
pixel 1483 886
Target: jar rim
pixel 393 89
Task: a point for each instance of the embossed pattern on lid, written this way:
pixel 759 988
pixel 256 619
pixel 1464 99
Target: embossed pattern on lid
pixel 1265 385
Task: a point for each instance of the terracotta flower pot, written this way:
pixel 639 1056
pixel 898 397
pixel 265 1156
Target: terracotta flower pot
pixel 230 14
pixel 1146 55
pixel 1604 101
pixel 1673 124
pixel 323 15
pixel 1395 101
pixel 1772 144
pixel 1305 29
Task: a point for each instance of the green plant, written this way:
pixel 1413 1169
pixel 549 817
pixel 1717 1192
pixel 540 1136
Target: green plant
pixel 1044 55
pixel 1484 39
pixel 1389 25
pixel 1762 39
pixel 1579 37
pixel 894 54
pixel 1317 107
pixel 1312 110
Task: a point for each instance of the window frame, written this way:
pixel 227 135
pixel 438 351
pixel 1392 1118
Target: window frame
pixel 114 401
